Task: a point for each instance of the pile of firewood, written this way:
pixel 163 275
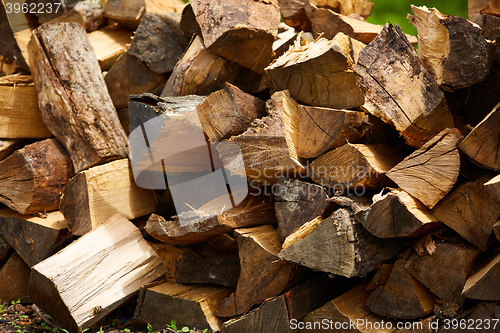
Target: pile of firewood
pixel 371 169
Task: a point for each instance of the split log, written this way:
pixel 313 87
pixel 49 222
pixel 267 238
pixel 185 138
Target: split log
pixel 262 275
pixel 86 13
pixel 338 245
pixel 169 254
pixel 270 317
pixel 229 112
pixel 380 277
pixel 471 211
pixel 19 113
pixel 487 22
pixel 451 48
pixel 7 147
pixel 445 271
pixel 269 145
pixel 319 73
pixel 493 187
pixel 491 8
pixel 389 70
pixel 91 133
pixel 482 282
pixel 481 144
pixel 189 25
pixel 92 196
pixel 246 36
pixel 361 8
pixel 250 212
pixel 285 38
pixel 294 14
pixel 15 275
pixel 94 275
pixel 109 43
pixel 35 238
pixel 354 167
pixel 300 202
pixel 402 296
pixel 213 262
pixel 188 305
pixel 33 177
pixel 430 172
pixel 397 214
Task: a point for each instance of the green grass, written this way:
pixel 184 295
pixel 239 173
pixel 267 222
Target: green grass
pixel 395 11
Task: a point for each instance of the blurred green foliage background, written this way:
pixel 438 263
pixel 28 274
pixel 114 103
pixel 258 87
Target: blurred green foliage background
pixel 395 11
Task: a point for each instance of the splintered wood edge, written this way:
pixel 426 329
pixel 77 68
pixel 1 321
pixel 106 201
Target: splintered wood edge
pixel 53 220
pixel 479 274
pixel 265 236
pixel 302 232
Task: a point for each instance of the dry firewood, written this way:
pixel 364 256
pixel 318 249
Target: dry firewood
pixel 471 211
pixel 254 210
pixel 319 73
pixel 482 283
pixel 354 167
pixel 486 20
pixel 229 112
pixel 246 36
pixel 92 196
pixel 84 119
pixel 189 25
pixel 214 261
pixel 188 305
pixel 294 14
pixel 338 245
pixel 4 249
pixel 33 177
pixel 397 214
pixel 451 48
pixel 263 274
pixel 15 275
pixel 493 187
pixel 109 43
pixel 269 145
pixel 430 172
pixel 89 14
pixel 95 274
pixel 7 147
pixel 401 297
pixel 169 255
pixel 399 89
pixel 34 237
pixel 361 8
pixel 300 202
pixel 445 271
pixel 496 229
pixel 481 144
pixel 270 317
pixel 20 116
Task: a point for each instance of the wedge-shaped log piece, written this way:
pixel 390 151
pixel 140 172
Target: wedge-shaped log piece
pixel 109 43
pixel 471 211
pixel 397 214
pixel 482 283
pixel 95 274
pixel 7 147
pixel 229 112
pixel 19 113
pixel 430 172
pixel 493 187
pixel 169 255
pixel 34 238
pixel 354 167
pixel 188 305
pixel 263 274
pixel 33 177
pixel 269 145
pixel 319 73
pixel 270 317
pixel 245 37
pixel 445 271
pixel 250 212
pixel 83 119
pixel 338 245
pixel 452 48
pixel 402 296
pixel 402 91
pixel 482 143
pixel 15 275
pixel 93 196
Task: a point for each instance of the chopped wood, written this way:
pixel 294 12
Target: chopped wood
pixel 7 147
pixel 487 21
pixel 496 229
pixel 482 282
pixel 451 48
pixel 4 249
pixel 380 277
pixel 319 73
pixel 35 238
pixel 169 255
pixel 92 196
pixel 361 8
pixel 445 271
pixel 400 89
pixel 491 8
pixel 430 172
pixel 246 36
pixel 294 14
pixel 189 25
pixel 109 43
pixel 354 167
pixel 95 274
pixel 89 14
pixel 263 274
pixel 188 305
pixel 91 133
pixel 471 211
pixel 15 275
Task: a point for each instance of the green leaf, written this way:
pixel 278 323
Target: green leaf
pixel 205 330
pixel 186 329
pixel 113 323
pixel 54 330
pixel 126 330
